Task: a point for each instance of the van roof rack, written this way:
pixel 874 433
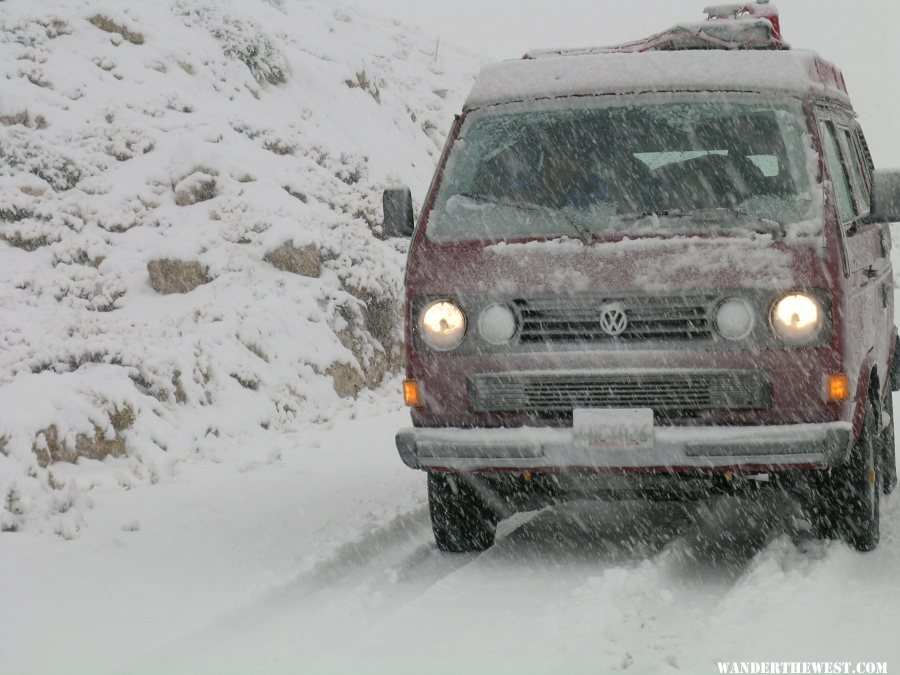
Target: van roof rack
pixel 729 26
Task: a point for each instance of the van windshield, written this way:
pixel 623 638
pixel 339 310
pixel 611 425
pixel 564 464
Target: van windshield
pixel 690 166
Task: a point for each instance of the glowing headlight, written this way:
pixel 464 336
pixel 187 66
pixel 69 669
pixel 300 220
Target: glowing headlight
pixel 796 317
pixel 497 324
pixel 443 325
pixel 734 319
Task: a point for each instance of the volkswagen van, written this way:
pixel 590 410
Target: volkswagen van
pixel 659 270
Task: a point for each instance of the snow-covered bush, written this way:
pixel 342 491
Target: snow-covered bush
pixel 241 37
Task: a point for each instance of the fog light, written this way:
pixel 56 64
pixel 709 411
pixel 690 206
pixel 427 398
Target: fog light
pixel 734 319
pixel 838 387
pixel 412 395
pixel 497 324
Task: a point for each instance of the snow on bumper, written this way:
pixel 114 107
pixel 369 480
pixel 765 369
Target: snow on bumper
pixel 774 446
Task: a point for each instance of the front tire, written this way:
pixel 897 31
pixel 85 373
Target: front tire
pixel 858 488
pixel 461 519
pixel 886 441
pixel 820 503
pixel 845 501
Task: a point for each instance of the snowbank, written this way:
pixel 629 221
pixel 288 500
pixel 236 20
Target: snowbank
pixel 190 249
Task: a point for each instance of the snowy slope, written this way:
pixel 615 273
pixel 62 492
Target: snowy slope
pixel 161 166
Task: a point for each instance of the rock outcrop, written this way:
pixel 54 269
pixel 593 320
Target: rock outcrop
pixel 176 276
pixel 303 260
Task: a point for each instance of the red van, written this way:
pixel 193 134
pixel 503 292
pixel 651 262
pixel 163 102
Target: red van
pixel 659 270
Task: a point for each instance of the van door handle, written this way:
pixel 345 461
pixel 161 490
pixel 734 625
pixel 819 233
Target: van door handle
pixel 875 269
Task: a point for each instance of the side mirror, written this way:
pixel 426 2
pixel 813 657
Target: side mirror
pixel 398 212
pixel 886 194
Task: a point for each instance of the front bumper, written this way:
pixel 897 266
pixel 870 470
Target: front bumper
pixel 758 448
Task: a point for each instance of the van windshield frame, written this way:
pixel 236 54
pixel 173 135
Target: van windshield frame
pixel 628 165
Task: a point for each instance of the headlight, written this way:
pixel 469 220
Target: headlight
pixel 497 324
pixel 797 317
pixel 734 319
pixel 443 325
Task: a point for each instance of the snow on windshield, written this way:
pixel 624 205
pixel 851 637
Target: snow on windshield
pixel 691 165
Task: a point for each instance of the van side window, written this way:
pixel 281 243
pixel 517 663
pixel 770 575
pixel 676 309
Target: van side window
pixel 868 164
pixel 859 185
pixel 838 173
pixel 868 167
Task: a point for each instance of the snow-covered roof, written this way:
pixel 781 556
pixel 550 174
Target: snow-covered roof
pixel 580 74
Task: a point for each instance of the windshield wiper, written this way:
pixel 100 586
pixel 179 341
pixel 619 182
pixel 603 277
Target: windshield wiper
pixel 764 225
pixel 583 234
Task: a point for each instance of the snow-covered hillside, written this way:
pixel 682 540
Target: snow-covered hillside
pixel 190 250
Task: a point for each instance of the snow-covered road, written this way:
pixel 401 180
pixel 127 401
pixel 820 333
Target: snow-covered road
pixel 318 558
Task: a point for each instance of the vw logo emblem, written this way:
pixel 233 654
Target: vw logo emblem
pixel 613 320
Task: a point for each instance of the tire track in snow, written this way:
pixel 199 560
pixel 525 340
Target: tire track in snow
pixel 582 588
pixel 379 571
pixel 598 586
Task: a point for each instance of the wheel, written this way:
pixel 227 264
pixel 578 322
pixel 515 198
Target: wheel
pixel 819 504
pixel 886 441
pixel 858 488
pixel 460 518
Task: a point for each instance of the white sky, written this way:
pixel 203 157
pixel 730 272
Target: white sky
pixel 862 37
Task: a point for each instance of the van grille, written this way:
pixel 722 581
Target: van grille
pixel 664 392
pixel 574 319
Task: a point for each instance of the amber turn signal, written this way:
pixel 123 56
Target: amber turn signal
pixel 838 387
pixel 411 393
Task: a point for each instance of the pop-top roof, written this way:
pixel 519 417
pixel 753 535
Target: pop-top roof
pixel 738 48
pixel 795 72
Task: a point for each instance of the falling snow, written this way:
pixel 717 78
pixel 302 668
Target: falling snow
pixel 197 299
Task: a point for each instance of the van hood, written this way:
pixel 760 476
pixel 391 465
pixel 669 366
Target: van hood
pixel 656 265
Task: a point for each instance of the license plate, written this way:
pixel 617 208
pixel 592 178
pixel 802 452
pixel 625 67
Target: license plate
pixel 614 428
